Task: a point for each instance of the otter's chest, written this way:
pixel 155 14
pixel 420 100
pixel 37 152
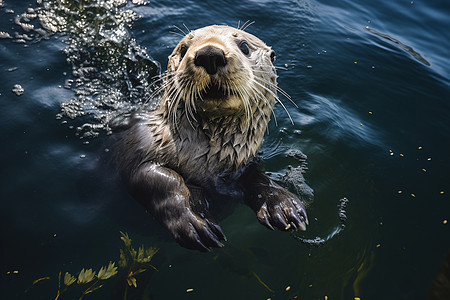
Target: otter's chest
pixel 200 153
pixel 198 158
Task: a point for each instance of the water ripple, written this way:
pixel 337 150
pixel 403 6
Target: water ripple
pixel 399 44
pixel 335 120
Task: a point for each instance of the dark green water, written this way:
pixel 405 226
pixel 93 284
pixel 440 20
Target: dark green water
pixel 371 79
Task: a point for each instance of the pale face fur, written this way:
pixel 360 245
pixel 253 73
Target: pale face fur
pixel 244 80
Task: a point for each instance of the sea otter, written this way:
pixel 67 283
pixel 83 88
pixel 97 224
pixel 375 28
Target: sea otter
pixel 198 147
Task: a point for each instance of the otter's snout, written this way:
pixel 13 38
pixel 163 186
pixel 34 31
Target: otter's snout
pixel 210 58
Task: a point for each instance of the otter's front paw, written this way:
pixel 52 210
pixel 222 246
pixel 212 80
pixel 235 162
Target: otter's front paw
pixel 194 232
pixel 283 210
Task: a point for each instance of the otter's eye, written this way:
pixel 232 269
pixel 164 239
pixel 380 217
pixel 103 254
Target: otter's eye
pixel 183 51
pixel 272 56
pixel 244 47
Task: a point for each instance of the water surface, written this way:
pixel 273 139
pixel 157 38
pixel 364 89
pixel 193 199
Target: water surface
pixel 371 80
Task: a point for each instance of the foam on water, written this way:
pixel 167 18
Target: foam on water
pixel 111 74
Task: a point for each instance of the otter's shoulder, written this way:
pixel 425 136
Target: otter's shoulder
pixel 142 137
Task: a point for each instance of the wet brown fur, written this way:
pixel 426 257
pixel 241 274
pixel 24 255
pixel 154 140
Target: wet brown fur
pixel 191 141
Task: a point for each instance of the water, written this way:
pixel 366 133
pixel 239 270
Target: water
pixel 371 79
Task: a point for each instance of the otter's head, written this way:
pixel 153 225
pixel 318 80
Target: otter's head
pixel 220 71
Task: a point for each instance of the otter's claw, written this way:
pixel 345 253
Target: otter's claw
pixel 193 232
pixel 283 210
pixel 263 217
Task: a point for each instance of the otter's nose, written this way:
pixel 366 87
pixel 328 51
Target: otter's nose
pixel 211 58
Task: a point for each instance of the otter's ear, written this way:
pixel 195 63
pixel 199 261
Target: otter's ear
pixel 272 55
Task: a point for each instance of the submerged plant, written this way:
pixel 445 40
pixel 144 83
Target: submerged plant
pixel 131 261
pixel 135 262
pixel 87 276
